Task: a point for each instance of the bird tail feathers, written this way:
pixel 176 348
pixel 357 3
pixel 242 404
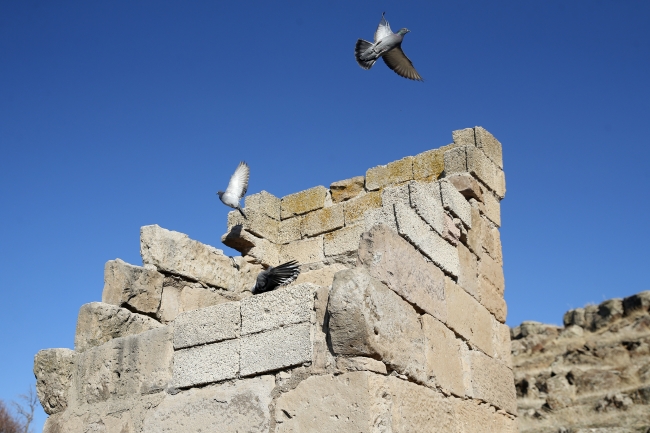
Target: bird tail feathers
pixel 359 49
pixel 242 212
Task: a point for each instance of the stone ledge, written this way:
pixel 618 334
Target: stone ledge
pixel 206 364
pixel 126 285
pixel 207 325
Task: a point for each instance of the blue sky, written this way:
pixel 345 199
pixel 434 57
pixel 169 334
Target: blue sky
pixel 115 115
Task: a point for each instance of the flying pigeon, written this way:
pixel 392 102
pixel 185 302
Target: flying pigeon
pixel 388 46
pixel 236 188
pixel 274 277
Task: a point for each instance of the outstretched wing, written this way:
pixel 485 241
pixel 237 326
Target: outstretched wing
pixel 284 274
pixel 239 181
pixel 383 29
pixel 398 62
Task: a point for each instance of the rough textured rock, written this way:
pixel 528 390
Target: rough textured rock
pixel 346 189
pixel 281 307
pixel 304 251
pixel 426 200
pixel 391 174
pixel 466 185
pixel 492 382
pixel 354 210
pixel 429 165
pixel 303 202
pixel 320 277
pixel 455 202
pixel 264 201
pixel 257 222
pixel 360 363
pixel 206 364
pixel 207 325
pixel 53 370
pixel 443 353
pixel 98 323
pixel 139 289
pixel 275 349
pixel 322 221
pixel 343 241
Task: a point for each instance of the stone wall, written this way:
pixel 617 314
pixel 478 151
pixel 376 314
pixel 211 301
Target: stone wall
pixel 396 323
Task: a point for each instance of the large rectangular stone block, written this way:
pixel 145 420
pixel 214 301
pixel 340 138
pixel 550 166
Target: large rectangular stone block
pixel 320 277
pixel 256 222
pixel 468 274
pixel 489 269
pixel 396 194
pixel 468 318
pixel 474 238
pixel 279 348
pixel 355 209
pixel 206 364
pixel 472 160
pixel 493 382
pixel 346 189
pixel 265 203
pixel 53 371
pixel 443 354
pixel 392 260
pixel 126 285
pixel 303 251
pixel 492 299
pixel 390 174
pixel 322 221
pixel 302 202
pixel 207 325
pixel 455 202
pixel 425 199
pixel 343 241
pixel 289 230
pixel 464 137
pixel 502 346
pixel 490 145
pixel 281 307
pixel 413 228
pixel 492 208
pixel 384 215
pixel 477 416
pixel 428 166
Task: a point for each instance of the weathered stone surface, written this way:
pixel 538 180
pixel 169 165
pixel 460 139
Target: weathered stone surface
pixel 126 366
pixel 425 199
pixel 255 249
pixel 468 318
pixel 452 232
pixel 416 231
pixel 491 298
pixel 98 323
pixel 474 237
pixel 391 174
pixel 346 189
pixel 289 230
pixel 207 325
pixel 241 406
pixel 256 222
pixel 443 354
pixel 396 194
pixel 53 370
pixel 394 262
pixel 368 319
pixel 464 137
pixel 384 215
pixel 302 202
pixel 492 381
pixel 476 416
pixel 360 363
pixel 455 202
pixel 468 271
pixel 429 165
pixel 304 251
pixel 489 269
pixel 272 350
pixel 501 344
pixel 490 145
pixel 126 285
pixel 574 317
pixel 343 241
pixel 365 402
pixel 608 311
pixel 637 303
pixel 466 185
pixel 492 208
pixel 281 307
pixel 206 364
pixel 322 221
pixel 472 160
pixel 265 202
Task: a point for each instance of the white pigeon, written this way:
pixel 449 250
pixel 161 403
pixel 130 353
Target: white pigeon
pixel 236 188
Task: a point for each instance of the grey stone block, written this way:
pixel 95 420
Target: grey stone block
pixel 206 364
pixel 416 231
pixel 281 307
pixel 53 371
pixel 426 200
pixel 133 286
pixel 455 202
pixel 492 381
pixel 279 348
pixel 207 325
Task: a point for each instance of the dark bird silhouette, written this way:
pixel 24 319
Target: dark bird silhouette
pixel 236 188
pixel 277 276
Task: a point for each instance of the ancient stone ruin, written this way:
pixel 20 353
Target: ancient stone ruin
pixel 396 323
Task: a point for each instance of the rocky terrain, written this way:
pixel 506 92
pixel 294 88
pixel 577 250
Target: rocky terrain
pixel 592 375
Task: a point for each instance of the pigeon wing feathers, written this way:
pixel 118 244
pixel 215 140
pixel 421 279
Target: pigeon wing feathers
pixel 359 49
pixel 239 181
pixel 284 273
pixel 383 29
pixel 398 62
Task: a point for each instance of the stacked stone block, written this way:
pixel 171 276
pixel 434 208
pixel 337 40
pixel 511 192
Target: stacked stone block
pixel 396 322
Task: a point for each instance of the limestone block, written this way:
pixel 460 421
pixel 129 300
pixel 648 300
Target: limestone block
pixel 502 349
pixel 476 416
pixel 468 271
pixel 302 202
pixel 343 241
pixel 265 202
pixel 360 363
pixel 126 366
pixel 207 325
pixel 468 318
pixel 320 277
pixel 235 407
pixel 139 288
pixel 455 202
pixel 491 298
pixel 492 208
pixel 443 354
pixel 272 350
pixel 426 200
pixel 472 160
pixel 281 307
pixel 493 382
pixel 455 160
pixel 452 232
pixel 384 215
pixel 355 209
pixel 255 250
pixel 98 323
pixel 346 189
pixel 489 269
pixel 53 371
pixel 322 221
pixel 304 251
pixel 637 303
pixel 396 194
pixel 393 261
pixel 489 145
pixel 322 358
pixel 391 174
pixel 429 165
pixel 491 241
pixel 464 137
pixel 256 222
pixel 416 231
pixel 289 230
pixel 206 364
pixel 474 238
pixel 176 253
pixel 466 185
pixel 369 319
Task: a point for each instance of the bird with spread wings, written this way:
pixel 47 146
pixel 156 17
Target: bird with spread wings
pixel 236 188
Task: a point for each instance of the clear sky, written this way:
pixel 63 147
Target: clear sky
pixel 115 115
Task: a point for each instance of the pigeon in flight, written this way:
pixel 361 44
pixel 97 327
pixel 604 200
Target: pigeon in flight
pixel 388 46
pixel 274 277
pixel 236 188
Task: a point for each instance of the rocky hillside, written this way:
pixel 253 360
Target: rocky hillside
pixel 592 375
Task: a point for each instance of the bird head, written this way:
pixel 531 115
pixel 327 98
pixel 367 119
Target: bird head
pixel 403 31
pixel 219 193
